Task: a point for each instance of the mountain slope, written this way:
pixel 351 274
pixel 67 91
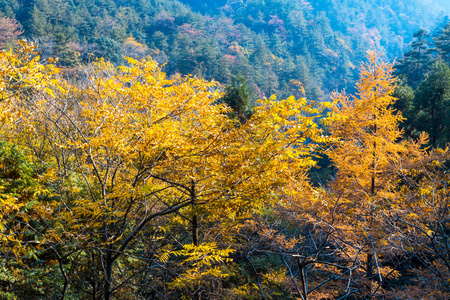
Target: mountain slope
pixel 274 43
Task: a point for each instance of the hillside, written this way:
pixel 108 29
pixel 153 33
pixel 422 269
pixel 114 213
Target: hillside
pixel 318 43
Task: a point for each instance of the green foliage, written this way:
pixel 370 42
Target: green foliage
pixel 107 48
pixel 16 173
pixel 415 63
pixel 442 43
pixel 238 97
pixel 318 43
pixel 405 104
pixel 18 187
pixel 432 104
pixel 424 86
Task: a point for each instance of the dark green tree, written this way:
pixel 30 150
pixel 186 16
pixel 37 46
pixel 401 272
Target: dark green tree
pixel 62 36
pixel 415 62
pixel 36 278
pixel 107 48
pixel 160 41
pixel 432 104
pixel 37 23
pixel 8 8
pixel 405 104
pixel 442 43
pixel 238 96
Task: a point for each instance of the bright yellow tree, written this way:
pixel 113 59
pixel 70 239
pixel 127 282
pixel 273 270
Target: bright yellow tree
pixel 368 155
pixel 128 153
pixel 20 75
pixel 23 196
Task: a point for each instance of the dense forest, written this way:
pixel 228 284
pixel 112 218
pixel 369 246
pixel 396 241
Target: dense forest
pixel 319 43
pixel 231 149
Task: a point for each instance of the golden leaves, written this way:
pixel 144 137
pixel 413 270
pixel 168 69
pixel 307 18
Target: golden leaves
pixel 203 263
pixel 125 146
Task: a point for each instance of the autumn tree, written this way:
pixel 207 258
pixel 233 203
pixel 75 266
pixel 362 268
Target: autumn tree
pixel 24 195
pixel 131 155
pixel 24 205
pixel 10 29
pixel 133 48
pixel 366 155
pixel 417 232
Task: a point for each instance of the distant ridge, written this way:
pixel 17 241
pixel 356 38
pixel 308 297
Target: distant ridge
pixel 273 43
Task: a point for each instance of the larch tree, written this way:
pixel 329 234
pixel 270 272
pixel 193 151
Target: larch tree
pixel 366 156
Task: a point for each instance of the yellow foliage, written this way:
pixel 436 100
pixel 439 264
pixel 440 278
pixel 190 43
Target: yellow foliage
pixel 123 147
pixel 369 133
pixel 203 263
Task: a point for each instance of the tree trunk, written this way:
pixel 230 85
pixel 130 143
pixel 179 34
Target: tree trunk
pixel 194 213
pixel 369 261
pixel 196 295
pixel 195 230
pixel 108 272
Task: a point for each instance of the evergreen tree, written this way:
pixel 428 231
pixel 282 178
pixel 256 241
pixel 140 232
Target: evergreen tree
pixel 37 23
pixel 415 62
pixel 405 104
pixel 8 8
pixel 62 36
pixel 442 42
pixel 107 48
pixel 432 104
pixel 238 97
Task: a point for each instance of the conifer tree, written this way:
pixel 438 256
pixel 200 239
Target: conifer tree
pixel 37 23
pixel 442 43
pixel 432 103
pixel 365 156
pixel 416 61
pixel 238 97
pixel 405 104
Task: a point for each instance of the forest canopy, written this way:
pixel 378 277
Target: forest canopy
pixel 319 43
pixel 122 182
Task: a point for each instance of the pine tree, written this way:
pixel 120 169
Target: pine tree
pixel 416 61
pixel 37 23
pixel 432 104
pixel 405 104
pixel 238 97
pixel 442 43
